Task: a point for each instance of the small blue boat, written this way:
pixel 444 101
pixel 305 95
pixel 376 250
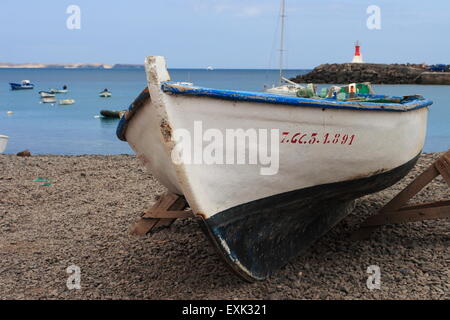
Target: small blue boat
pixel 25 84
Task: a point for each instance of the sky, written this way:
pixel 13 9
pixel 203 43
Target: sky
pixel 224 33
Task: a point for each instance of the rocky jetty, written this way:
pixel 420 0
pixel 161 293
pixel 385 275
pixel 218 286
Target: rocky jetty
pixel 374 73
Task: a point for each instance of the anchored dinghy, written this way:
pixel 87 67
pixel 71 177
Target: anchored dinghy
pixel 329 153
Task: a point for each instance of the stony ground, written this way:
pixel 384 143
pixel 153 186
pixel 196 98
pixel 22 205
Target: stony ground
pixel 82 214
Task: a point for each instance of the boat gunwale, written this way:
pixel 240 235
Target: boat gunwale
pixel 176 88
pixel 262 97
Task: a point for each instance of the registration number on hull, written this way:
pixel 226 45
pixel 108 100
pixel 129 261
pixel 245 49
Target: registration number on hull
pixel 316 138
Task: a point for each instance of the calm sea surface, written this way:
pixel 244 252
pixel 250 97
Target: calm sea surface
pixel 75 129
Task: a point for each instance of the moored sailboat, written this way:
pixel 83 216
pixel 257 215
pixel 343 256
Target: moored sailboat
pixel 285 86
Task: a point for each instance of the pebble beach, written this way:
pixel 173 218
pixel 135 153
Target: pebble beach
pixel 59 211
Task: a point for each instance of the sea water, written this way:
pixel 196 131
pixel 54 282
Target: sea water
pixel 78 129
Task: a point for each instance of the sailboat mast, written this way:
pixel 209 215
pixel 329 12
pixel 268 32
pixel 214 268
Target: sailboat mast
pixel 283 16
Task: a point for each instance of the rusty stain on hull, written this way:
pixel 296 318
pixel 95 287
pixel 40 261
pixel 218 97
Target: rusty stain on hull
pixel 143 159
pixel 166 130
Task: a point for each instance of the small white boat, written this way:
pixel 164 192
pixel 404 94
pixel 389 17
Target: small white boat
pixel 105 94
pixel 46 94
pixel 316 157
pixel 290 88
pixel 66 101
pixel 48 100
pixel 3 142
pixel 210 68
pixel 57 91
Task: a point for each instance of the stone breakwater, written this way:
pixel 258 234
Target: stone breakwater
pixel 374 73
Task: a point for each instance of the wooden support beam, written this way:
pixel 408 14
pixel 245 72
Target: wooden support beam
pixel 410 214
pixel 162 214
pixel 168 214
pixel 443 166
pixel 395 210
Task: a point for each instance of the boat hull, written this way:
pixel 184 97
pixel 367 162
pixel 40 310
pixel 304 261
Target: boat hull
pixel 383 141
pixel 259 221
pixel 261 236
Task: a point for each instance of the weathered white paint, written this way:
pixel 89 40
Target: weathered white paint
pixel 384 140
pixel 3 142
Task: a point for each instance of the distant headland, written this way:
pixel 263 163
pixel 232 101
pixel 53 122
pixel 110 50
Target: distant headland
pixel 5 65
pixel 376 73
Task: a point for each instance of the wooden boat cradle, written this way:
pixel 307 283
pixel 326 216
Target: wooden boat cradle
pixel 395 211
pixel 163 213
pixel 170 206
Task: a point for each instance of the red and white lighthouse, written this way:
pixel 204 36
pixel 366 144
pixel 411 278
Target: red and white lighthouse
pixel 357 58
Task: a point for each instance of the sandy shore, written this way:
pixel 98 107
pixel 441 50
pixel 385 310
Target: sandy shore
pixel 82 215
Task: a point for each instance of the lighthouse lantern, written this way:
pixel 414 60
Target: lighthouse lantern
pixel 357 58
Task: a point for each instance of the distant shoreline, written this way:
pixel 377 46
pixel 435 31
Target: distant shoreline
pixel 141 67
pixel 101 66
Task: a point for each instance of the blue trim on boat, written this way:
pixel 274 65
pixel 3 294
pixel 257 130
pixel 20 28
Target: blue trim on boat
pixel 411 103
pixel 262 97
pixel 137 104
pixel 121 128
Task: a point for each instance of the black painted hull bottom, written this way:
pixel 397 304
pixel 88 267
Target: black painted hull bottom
pixel 262 236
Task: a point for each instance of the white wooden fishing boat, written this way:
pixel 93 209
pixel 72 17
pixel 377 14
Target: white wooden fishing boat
pixel 260 215
pixel 3 142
